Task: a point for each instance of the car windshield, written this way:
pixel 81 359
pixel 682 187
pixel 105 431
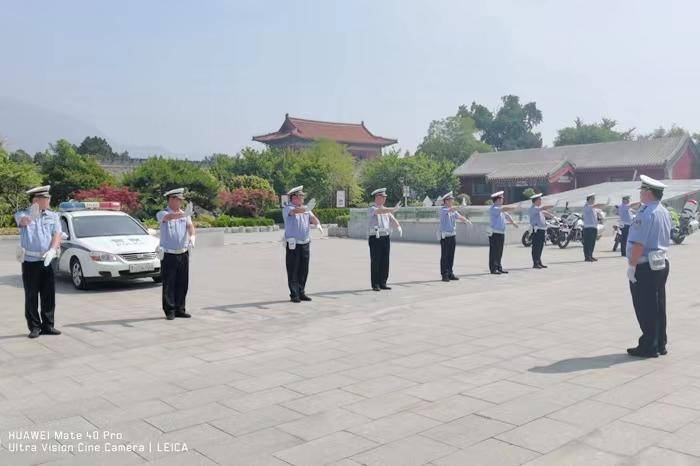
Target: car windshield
pixel 89 226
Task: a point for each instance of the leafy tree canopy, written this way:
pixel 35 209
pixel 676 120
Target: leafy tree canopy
pixel 158 175
pixel 16 179
pixel 20 156
pixel 588 133
pixel 68 172
pixel 452 139
pixel 510 127
pixel 423 174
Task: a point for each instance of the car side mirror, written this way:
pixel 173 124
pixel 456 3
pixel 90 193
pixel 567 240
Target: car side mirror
pixel 64 235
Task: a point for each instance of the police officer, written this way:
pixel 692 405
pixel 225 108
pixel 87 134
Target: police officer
pixel 177 237
pixel 381 221
pixel 498 216
pixel 40 240
pixel 590 227
pixel 537 214
pixel 648 241
pixel 624 210
pixel 448 230
pixel 297 217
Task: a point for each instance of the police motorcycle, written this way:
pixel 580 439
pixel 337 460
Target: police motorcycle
pixel 571 228
pixel 687 223
pixel 551 235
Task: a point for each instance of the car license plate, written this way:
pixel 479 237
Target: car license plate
pixel 138 268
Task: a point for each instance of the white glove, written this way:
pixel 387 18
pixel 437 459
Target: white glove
pixel 630 274
pixel 397 206
pixel 49 256
pixel 189 210
pixel 190 245
pixel 320 228
pixel 34 212
pixel 400 230
pixel 310 205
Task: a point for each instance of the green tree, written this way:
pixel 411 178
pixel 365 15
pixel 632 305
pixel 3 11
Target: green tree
pixel 20 156
pixel 510 127
pixel 589 133
pixel 528 193
pixel 16 179
pixel 452 139
pixel 158 175
pixel 674 130
pixel 424 175
pixel 67 171
pixel 97 147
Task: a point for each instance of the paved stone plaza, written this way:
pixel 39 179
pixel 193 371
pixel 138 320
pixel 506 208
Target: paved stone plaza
pixel 527 368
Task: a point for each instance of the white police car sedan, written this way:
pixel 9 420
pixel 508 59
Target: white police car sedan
pixel 102 243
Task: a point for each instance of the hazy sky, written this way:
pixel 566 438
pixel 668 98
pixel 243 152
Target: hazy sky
pixel 204 76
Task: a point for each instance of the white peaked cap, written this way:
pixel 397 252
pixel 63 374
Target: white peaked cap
pixel 651 183
pixel 177 192
pixel 296 190
pixel 40 191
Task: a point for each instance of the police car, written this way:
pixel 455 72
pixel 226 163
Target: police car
pixel 102 243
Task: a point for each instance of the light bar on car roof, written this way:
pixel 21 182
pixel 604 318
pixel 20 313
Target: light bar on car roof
pixel 72 206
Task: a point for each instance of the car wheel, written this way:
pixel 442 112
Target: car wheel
pixel 76 274
pixel 158 279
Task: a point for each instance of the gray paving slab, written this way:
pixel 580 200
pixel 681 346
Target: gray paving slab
pixel 524 368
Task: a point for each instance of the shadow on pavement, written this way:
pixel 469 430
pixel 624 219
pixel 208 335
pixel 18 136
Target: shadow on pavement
pixel 11 337
pixel 64 285
pixel 582 364
pixel 101 323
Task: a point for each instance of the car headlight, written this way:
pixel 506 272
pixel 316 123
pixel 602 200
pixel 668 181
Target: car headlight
pixel 99 256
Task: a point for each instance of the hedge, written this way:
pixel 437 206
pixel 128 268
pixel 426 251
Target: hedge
pixel 342 220
pixel 275 215
pixel 7 221
pixel 331 214
pixel 228 221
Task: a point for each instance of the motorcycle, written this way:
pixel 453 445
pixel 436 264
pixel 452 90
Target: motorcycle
pixel 571 228
pixel 687 223
pixel 552 234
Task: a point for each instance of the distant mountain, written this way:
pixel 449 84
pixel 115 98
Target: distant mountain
pixel 32 128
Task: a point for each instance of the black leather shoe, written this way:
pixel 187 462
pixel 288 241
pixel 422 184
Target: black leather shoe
pixel 50 331
pixel 445 278
pixel 588 259
pixel 663 351
pixel 495 272
pixel 295 299
pixel 375 288
pixel 304 298
pixel 170 316
pixel 542 266
pixel 593 259
pixel 182 315
pixel 34 333
pixel 384 287
pixel 537 266
pixel 454 277
pixel 502 271
pixel 639 353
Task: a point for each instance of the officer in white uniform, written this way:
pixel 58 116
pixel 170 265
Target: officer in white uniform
pixel 297 218
pixel 448 231
pixel 626 213
pixel 381 222
pixel 497 232
pixel 538 222
pixel 177 237
pixel 40 240
pixel 647 245
pixel 590 227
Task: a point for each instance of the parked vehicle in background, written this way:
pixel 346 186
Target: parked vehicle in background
pixel 687 223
